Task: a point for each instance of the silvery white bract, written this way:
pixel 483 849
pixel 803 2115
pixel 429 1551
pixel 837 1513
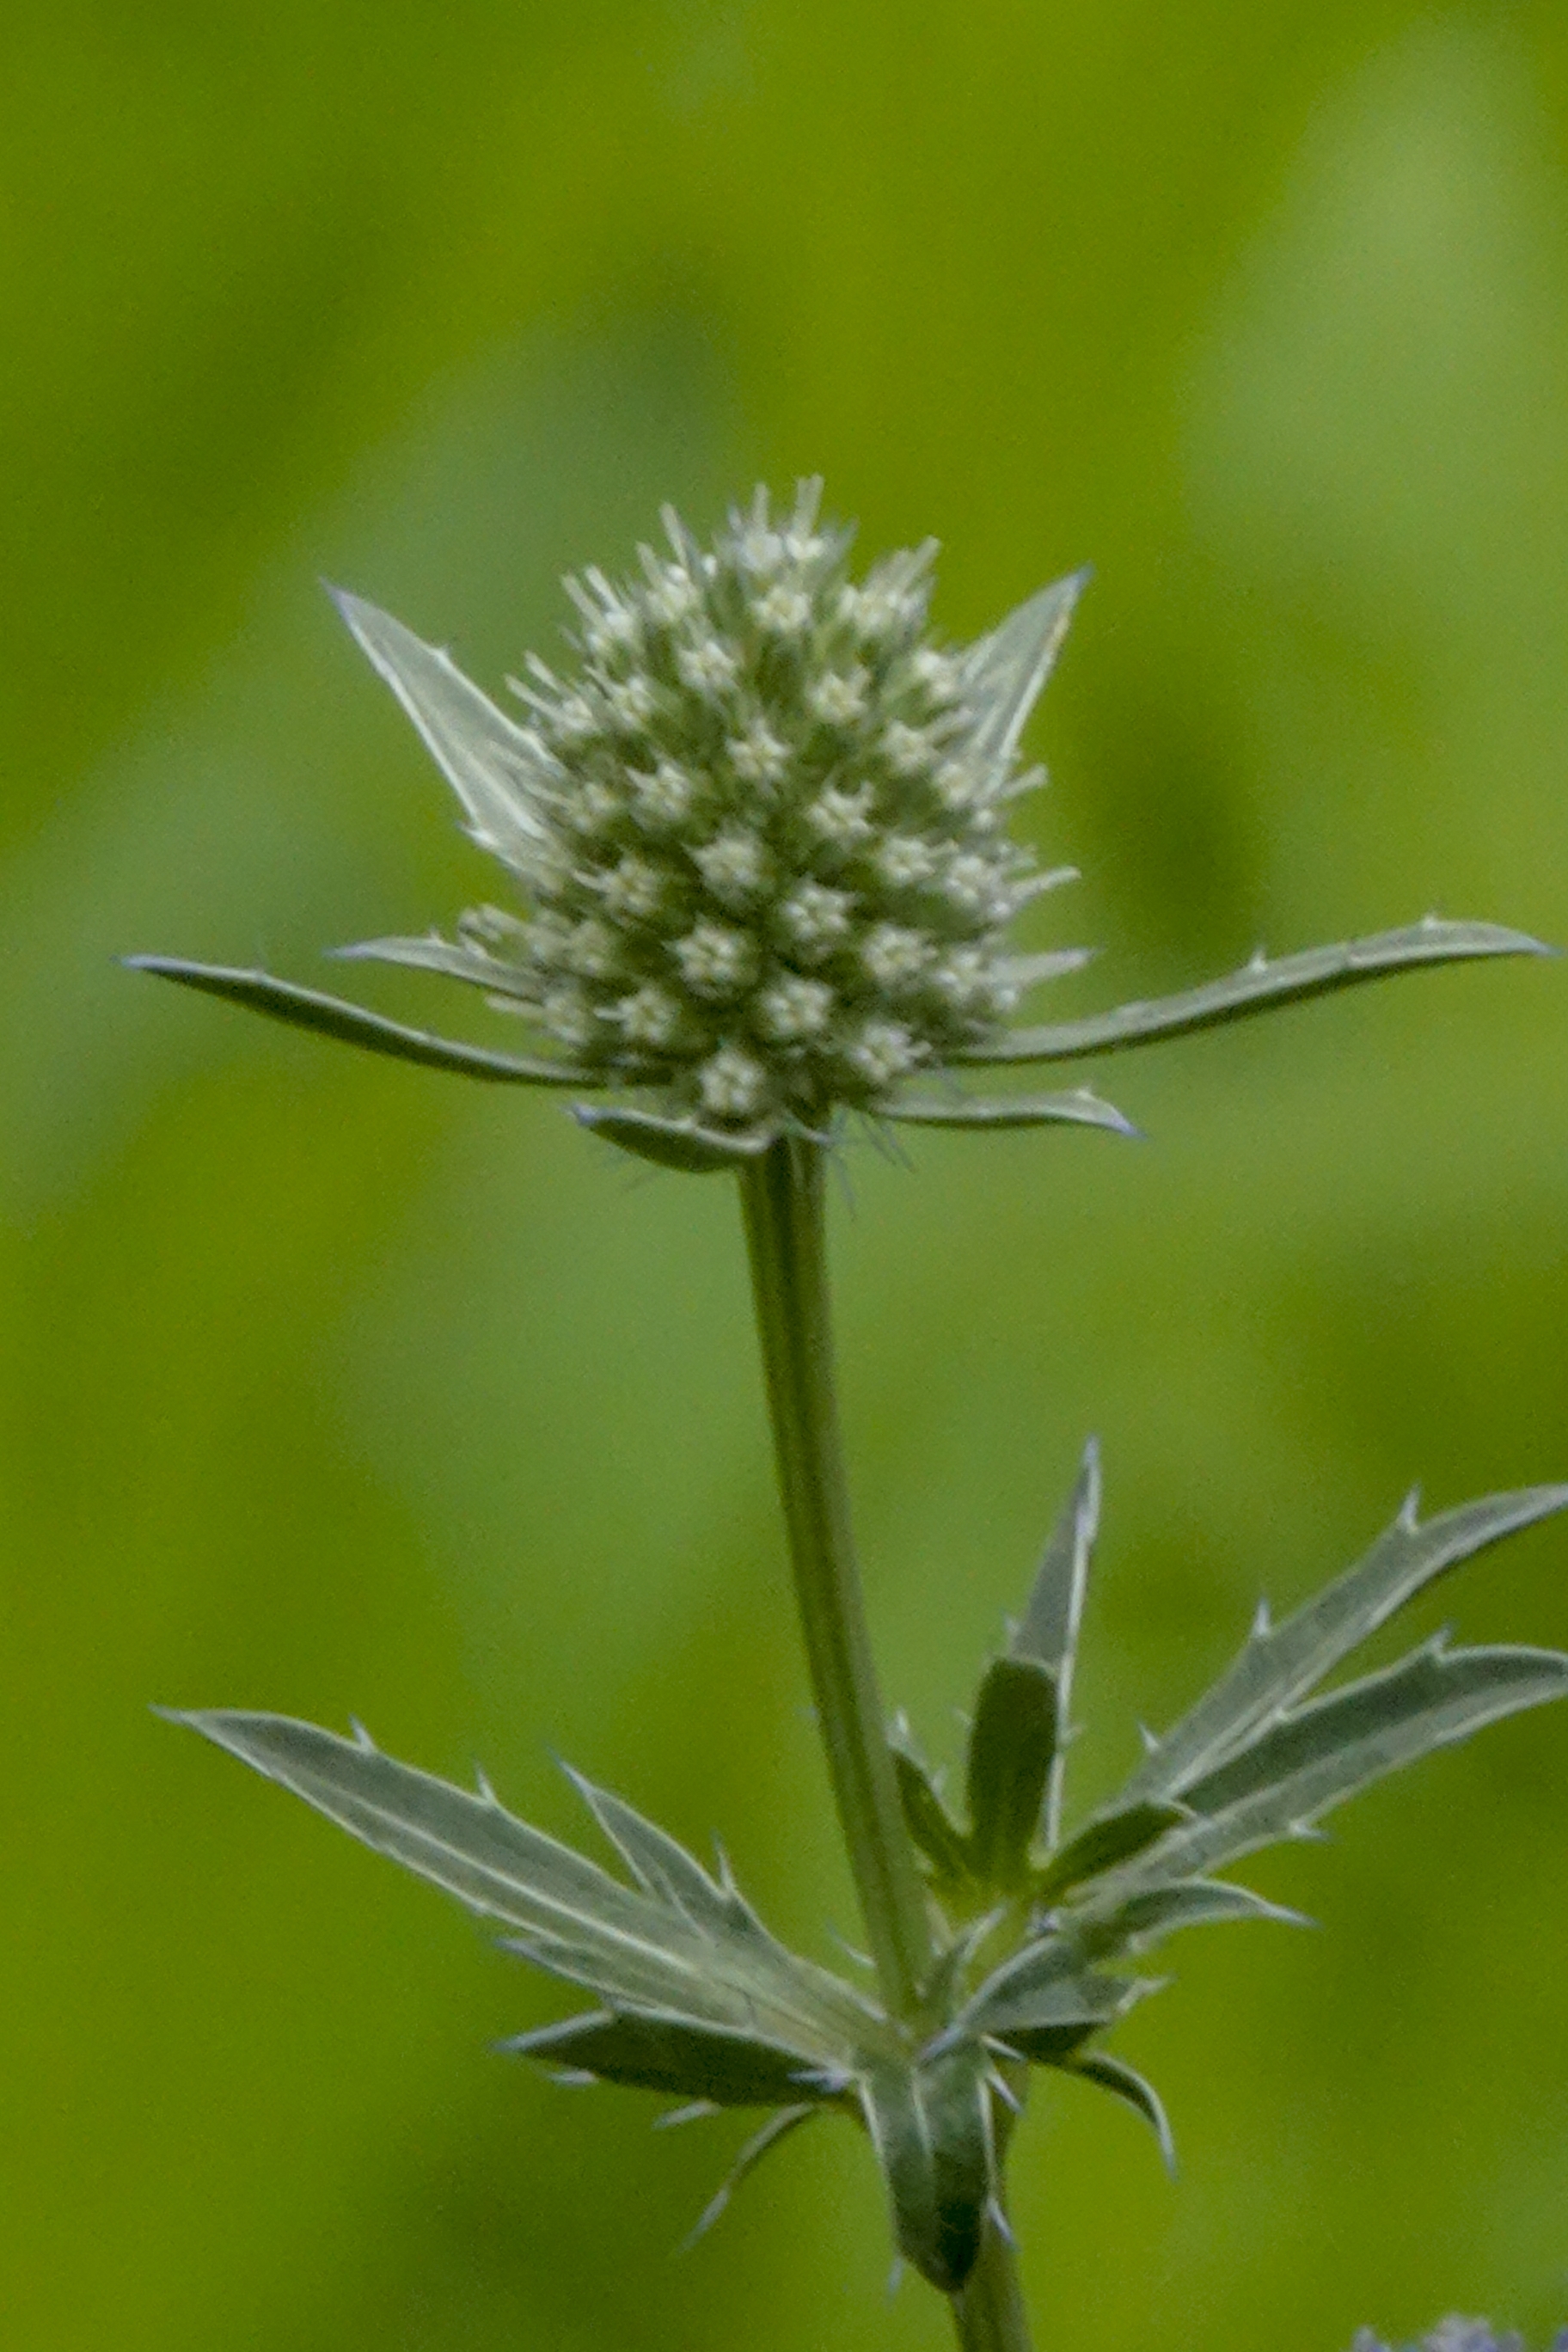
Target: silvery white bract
pixel 758 858
pixel 1033 1929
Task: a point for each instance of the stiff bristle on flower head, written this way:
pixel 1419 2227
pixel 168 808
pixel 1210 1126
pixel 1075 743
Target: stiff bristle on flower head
pixel 758 831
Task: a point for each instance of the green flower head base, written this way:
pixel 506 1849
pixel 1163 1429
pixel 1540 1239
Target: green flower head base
pixel 758 845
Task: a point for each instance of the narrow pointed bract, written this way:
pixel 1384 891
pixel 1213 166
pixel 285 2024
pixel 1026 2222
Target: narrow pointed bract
pixel 1050 1628
pixel 329 1017
pixel 499 771
pixel 1258 987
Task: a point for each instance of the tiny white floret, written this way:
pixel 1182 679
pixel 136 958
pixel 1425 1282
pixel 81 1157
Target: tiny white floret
pixel 732 1082
pixel 715 960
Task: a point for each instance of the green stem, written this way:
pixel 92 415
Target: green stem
pixel 785 1230
pixel 989 2316
pixel 783 1200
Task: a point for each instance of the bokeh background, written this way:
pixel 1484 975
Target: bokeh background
pixel 335 1387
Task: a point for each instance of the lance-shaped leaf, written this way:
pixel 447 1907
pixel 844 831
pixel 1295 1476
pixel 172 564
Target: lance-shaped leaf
pixel 672 1142
pixel 1012 1746
pixel 1138 1920
pixel 1123 2082
pixel 1111 1839
pixel 1279 1664
pixel 1256 988
pixel 329 1017
pixel 670 2054
pixel 711 1964
pixel 930 2127
pixel 1079 1109
pixel 1323 1753
pixel 501 771
pixel 1004 673
pixel 1049 1630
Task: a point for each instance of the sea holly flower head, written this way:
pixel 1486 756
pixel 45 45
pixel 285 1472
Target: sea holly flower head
pixel 757 833
pixel 756 848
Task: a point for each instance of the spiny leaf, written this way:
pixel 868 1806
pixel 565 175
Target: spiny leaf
pixel 1323 1753
pixel 572 1917
pixel 1046 1988
pixel 672 1142
pixel 329 1017
pixel 672 2055
pixel 1137 1921
pixel 499 771
pixel 1012 1746
pixel 662 1867
pixel 1125 2083
pixel 1256 988
pixel 926 1818
pixel 930 2127
pixel 1079 1108
pixel 1049 1630
pixel 1278 1663
pixel 1113 1838
pixel 1005 672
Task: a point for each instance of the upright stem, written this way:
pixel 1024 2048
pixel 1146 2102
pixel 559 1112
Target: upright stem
pixel 784 1198
pixel 989 2316
pixel 784 1229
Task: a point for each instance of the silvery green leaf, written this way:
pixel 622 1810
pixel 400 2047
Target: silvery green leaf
pixel 1111 1839
pixel 715 1908
pixel 1278 1663
pixel 1138 1921
pixel 1079 1109
pixel 672 1142
pixel 1004 673
pixel 930 2127
pixel 1256 988
pixel 307 1008
pixel 663 1868
pixel 1123 2082
pixel 926 1818
pixel 1317 1757
pixel 570 1916
pixel 1012 1746
pixel 672 2055
pixel 776 2128
pixel 1047 1994
pixel 453 958
pixel 1051 1621
pixel 499 771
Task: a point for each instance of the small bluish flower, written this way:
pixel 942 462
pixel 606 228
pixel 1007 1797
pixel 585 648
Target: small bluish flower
pixel 1455 2335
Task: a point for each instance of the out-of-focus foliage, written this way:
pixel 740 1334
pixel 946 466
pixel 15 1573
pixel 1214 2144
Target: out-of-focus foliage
pixel 329 1386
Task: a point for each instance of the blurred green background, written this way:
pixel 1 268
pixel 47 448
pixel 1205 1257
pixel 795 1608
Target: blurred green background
pixel 337 1388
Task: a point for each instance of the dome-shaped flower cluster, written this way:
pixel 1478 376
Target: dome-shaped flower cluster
pixel 758 829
